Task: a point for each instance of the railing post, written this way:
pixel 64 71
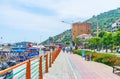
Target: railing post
pixel 40 68
pixel 53 56
pixel 46 63
pixel 28 73
pixel 50 59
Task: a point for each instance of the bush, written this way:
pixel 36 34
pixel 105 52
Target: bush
pixel 108 59
pixel 79 52
pixel 117 62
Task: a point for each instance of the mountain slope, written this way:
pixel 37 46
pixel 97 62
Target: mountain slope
pixel 104 19
pixel 63 38
pixel 104 22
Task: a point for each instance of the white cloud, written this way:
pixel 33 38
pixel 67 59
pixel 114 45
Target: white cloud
pixel 76 8
pixel 23 20
pixel 19 19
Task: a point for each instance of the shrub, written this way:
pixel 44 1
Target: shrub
pixel 108 59
pixel 117 62
pixel 79 52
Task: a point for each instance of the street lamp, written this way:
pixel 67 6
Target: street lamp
pixel 71 41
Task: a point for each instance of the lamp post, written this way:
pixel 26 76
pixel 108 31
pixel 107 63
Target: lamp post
pixel 69 24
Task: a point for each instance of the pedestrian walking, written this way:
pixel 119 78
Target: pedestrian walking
pixel 63 49
pixel 67 49
pixel 70 50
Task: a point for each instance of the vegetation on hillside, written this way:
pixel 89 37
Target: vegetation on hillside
pixel 105 19
pixel 104 22
pixel 65 38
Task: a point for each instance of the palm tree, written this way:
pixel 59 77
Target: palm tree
pixel 76 40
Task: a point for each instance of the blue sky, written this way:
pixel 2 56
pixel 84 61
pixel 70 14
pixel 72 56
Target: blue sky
pixel 36 20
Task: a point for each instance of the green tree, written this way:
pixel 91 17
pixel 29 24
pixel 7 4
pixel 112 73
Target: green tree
pixel 102 33
pixel 108 41
pixel 118 28
pixel 111 41
pixel 90 43
pixel 67 43
pixel 105 42
pixel 98 43
pixel 94 43
pixel 117 38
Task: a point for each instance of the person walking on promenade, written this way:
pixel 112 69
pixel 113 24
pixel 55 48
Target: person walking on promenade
pixel 70 50
pixel 67 49
pixel 63 49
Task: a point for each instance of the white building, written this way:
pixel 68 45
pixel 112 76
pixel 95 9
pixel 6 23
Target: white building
pixel 116 25
pixel 84 36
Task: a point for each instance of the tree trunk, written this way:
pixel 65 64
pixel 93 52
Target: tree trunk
pixel 111 49
pixel 106 49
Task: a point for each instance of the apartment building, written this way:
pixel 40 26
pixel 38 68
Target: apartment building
pixel 116 25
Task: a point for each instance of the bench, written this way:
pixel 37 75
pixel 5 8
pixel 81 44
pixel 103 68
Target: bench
pixel 116 68
pixel 88 57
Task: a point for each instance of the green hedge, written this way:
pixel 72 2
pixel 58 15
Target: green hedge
pixel 108 59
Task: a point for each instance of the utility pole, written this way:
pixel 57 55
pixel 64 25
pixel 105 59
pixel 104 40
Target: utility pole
pixel 97 29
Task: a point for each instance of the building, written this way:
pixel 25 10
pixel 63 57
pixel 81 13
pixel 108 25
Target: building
pixel 116 25
pixel 23 44
pixel 80 28
pixel 84 36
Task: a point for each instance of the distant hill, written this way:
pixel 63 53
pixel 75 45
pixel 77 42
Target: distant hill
pixel 63 37
pixel 104 22
pixel 104 19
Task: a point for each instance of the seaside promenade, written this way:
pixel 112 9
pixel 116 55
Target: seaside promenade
pixel 72 66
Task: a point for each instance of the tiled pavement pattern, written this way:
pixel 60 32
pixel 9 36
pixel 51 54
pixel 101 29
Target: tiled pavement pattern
pixel 58 70
pixel 72 66
pixel 91 69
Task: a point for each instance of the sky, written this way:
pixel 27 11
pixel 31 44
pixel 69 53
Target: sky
pixel 37 20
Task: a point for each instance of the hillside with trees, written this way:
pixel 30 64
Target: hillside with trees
pixel 104 22
pixel 104 19
pixel 64 38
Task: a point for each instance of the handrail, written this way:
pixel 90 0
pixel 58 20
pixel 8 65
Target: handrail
pixel 30 63
pixel 13 67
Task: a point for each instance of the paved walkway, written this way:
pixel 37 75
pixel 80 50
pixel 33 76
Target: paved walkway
pixel 72 66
